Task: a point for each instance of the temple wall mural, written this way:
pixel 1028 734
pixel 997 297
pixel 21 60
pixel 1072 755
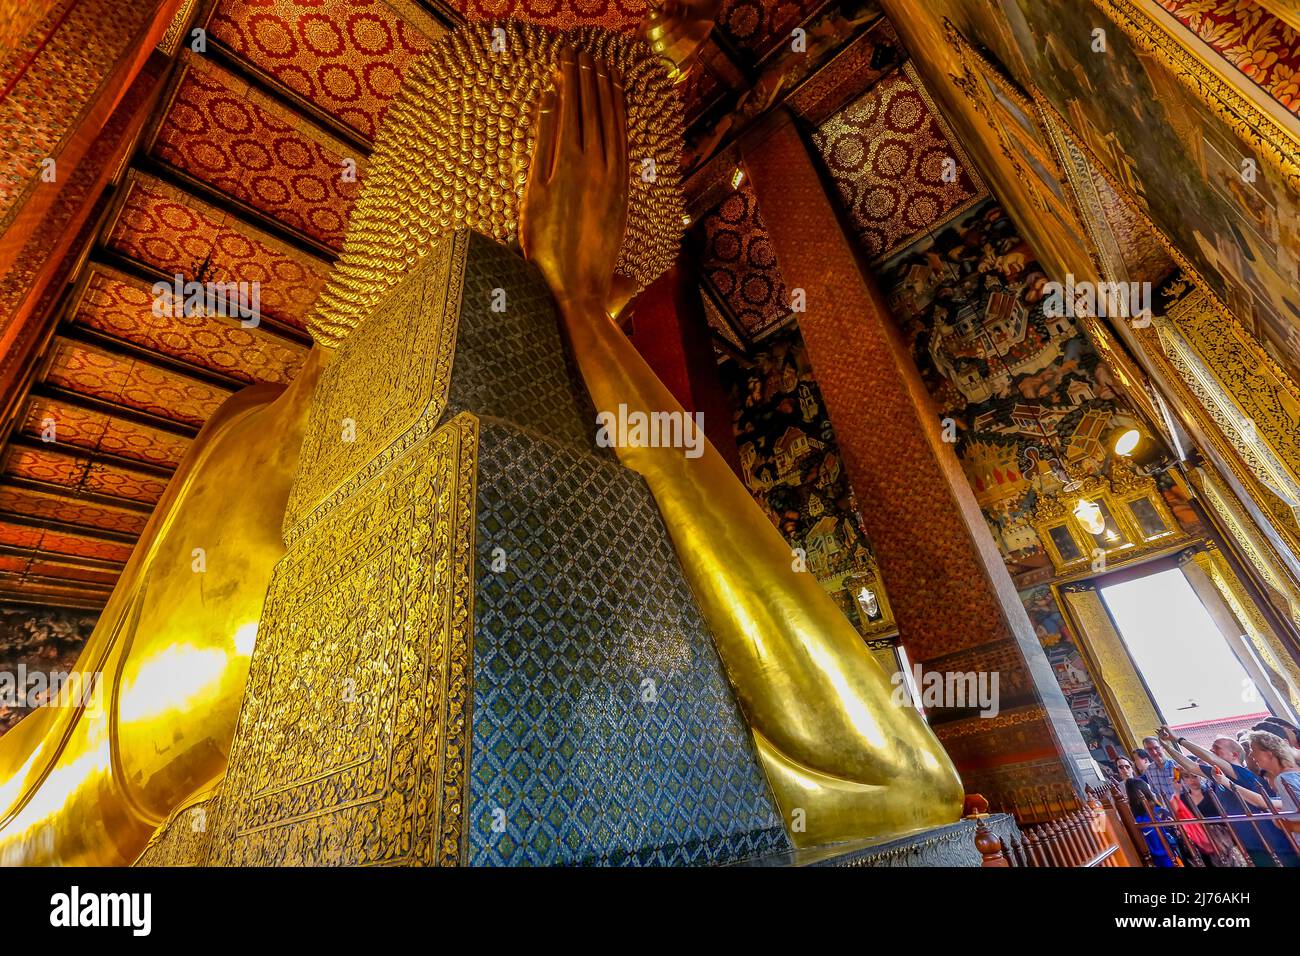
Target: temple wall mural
pixel 1072 674
pixel 1222 202
pixel 1026 392
pixel 791 464
pixel 44 641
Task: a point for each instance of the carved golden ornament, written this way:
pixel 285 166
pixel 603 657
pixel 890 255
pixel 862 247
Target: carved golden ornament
pixel 1250 544
pixel 353 741
pixel 1062 519
pixel 454 151
pixel 1258 409
pixel 184 838
pixel 388 388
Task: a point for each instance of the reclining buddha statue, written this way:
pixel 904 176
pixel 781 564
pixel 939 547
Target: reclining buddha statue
pixel 436 622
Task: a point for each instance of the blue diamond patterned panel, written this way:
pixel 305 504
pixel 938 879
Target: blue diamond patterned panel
pixel 603 727
pixel 604 730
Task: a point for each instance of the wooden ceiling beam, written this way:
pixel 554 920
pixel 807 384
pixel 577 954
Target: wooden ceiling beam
pixel 266 84
pixel 67 527
pixel 100 457
pixel 236 208
pixel 444 13
pixel 143 272
pixel 89 564
pixel 54 581
pixel 92 601
pixel 120 348
pixel 19 483
pixel 88 403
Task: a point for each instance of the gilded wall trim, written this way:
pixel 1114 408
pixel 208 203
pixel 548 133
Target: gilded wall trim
pixel 1278 145
pixel 1263 427
pixel 1288 11
pixel 1251 622
pixel 1251 545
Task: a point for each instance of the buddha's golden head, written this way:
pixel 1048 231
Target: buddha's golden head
pixel 454 152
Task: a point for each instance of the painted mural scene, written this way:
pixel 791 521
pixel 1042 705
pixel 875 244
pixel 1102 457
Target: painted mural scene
pixel 843 433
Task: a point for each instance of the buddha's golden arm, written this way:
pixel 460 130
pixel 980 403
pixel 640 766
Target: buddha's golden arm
pixel 833 740
pixel 170 651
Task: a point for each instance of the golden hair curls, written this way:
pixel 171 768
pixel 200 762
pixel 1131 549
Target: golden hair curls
pixel 454 151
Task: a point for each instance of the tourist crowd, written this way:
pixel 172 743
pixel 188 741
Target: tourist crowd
pixel 1235 804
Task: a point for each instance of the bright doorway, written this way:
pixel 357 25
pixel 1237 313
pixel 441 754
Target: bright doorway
pixel 1196 679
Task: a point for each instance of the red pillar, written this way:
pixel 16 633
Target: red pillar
pixel 670 331
pixel 954 601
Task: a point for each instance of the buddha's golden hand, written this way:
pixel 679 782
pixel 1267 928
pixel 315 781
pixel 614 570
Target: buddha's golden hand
pixel 575 203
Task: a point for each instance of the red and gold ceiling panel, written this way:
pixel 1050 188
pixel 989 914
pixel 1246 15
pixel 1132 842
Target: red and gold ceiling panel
pixel 126 309
pixel 38 504
pixel 43 465
pixel 73 471
pixel 860 65
pixel 623 15
pixel 120 482
pixel 220 130
pixel 759 26
pixel 51 81
pixel 57 542
pixel 64 422
pixel 897 170
pixel 169 229
pixel 94 372
pixel 740 263
pixel 20 536
pixel 345 57
pixel 95 431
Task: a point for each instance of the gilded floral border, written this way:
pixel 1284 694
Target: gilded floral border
pixel 1278 145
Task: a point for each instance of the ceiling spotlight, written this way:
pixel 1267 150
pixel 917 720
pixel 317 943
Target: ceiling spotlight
pixel 1127 441
pixel 686 219
pixel 1136 445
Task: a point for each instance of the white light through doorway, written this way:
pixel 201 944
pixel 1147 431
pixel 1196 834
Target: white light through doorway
pixel 1179 650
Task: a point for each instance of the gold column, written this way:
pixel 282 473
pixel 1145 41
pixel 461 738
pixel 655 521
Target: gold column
pixel 1250 543
pixel 1119 680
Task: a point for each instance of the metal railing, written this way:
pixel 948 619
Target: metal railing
pixel 1173 834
